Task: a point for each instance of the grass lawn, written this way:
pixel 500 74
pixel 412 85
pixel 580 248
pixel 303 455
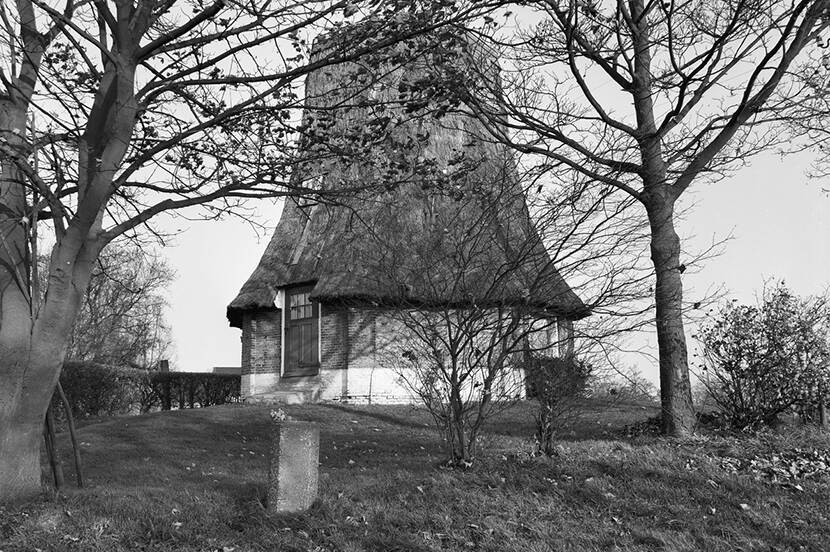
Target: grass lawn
pixel 196 479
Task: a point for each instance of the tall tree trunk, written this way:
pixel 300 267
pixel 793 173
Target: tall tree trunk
pixel 458 451
pixel 675 389
pixel 26 385
pixel 19 434
pixel 659 198
pixel 19 460
pixel 31 355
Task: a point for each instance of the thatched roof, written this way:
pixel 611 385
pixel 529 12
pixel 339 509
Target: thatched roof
pixel 431 213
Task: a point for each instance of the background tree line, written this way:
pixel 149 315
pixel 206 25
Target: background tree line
pixel 122 317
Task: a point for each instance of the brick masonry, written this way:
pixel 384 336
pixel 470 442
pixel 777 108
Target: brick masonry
pixel 261 350
pixel 359 352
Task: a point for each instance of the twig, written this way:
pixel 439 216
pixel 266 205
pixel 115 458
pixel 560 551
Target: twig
pixel 52 449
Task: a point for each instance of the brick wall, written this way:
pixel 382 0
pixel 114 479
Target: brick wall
pixel 360 355
pixel 261 355
pixel 334 377
pixel 333 337
pixel 391 338
pixel 361 358
pixel 374 373
pixel 352 341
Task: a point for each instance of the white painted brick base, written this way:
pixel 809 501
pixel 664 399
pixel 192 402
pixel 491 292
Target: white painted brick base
pixel 253 384
pixel 360 360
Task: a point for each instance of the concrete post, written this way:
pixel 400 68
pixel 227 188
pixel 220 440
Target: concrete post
pixel 293 466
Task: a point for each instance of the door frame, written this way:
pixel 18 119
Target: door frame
pixel 309 369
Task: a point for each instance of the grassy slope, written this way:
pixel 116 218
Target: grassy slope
pixel 195 480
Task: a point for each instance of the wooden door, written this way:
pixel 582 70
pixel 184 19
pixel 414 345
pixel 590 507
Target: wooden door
pixel 301 333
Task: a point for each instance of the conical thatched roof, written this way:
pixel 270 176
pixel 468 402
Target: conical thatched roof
pixel 431 212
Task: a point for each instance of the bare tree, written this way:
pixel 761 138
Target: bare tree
pixel 646 97
pixel 121 321
pixel 476 297
pixel 141 107
pixel 464 365
pixel 810 126
pixel 467 344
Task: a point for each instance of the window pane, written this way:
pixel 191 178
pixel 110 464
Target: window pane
pixel 299 305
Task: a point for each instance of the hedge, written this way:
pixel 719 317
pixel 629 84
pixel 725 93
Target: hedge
pixel 189 389
pixel 99 390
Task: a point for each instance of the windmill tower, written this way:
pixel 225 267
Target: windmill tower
pixel 423 211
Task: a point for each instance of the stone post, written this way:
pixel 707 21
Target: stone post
pixel 293 466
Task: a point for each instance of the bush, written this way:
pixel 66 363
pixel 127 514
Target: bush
pixel 557 383
pixel 461 363
pixel 99 390
pixel 94 389
pixel 189 389
pixel 763 360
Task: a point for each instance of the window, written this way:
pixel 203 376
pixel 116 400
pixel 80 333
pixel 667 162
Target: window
pixel 299 306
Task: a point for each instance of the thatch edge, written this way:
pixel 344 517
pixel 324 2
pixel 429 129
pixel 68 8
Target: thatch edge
pixel 235 312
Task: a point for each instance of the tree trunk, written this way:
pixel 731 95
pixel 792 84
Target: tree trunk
pixel 20 433
pixel 678 416
pixel 659 198
pixel 20 461
pixel 26 390
pixel 31 356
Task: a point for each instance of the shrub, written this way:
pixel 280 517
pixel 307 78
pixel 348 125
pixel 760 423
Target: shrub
pixel 94 389
pixel 99 390
pixel 557 383
pixel 189 389
pixel 461 363
pixel 763 360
